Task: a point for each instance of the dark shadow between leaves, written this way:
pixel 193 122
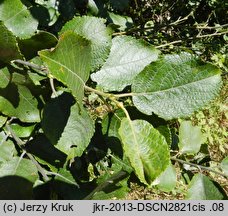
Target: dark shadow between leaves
pixel 38 12
pixel 15 188
pixel 11 94
pixel 41 147
pixel 97 148
pixel 221 190
pixel 42 40
pixel 55 116
pixel 153 119
pixel 113 142
pixel 67 10
pixel 43 191
pixel 67 191
pixel 2 64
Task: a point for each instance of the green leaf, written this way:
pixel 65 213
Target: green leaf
pixel 123 22
pixel 127 58
pixel 3 120
pixel 7 148
pixel 65 175
pixel 94 30
pixel 165 131
pixel 20 167
pixel 69 62
pixel 146 149
pixel 42 40
pixel 202 188
pixel 113 190
pixel 190 138
pixel 168 179
pixel 224 165
pixel 17 100
pixel 77 133
pixel 110 126
pixel 9 49
pixel 110 129
pixel 22 131
pixel 112 182
pixel 17 18
pixel 175 86
pixel 92 8
pixel 5 77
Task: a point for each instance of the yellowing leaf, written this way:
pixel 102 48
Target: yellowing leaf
pixel 146 149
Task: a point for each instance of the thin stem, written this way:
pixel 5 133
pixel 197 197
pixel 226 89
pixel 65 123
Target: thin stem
pixel 42 171
pixel 181 20
pixel 211 27
pixel 108 95
pixel 59 175
pixel 112 180
pixel 124 95
pixel 168 44
pixel 111 97
pixel 191 38
pixel 209 35
pixel 53 87
pixel 28 64
pixel 139 29
pixel 103 94
pixel 136 4
pixel 21 144
pixel 199 166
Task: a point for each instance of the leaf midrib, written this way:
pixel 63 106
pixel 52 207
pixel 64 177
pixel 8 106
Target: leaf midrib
pixel 7 20
pixel 136 142
pixel 72 72
pixel 172 88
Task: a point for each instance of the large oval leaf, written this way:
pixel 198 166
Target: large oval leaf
pixel 175 86
pixel 146 149
pixel 8 45
pixel 17 18
pixel 202 188
pixel 93 29
pixel 69 62
pixel 127 58
pixel 190 138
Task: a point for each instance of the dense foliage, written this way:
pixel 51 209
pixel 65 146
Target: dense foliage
pixel 97 94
